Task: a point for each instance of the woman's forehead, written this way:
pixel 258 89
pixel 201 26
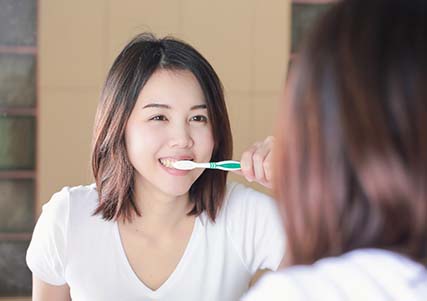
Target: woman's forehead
pixel 172 88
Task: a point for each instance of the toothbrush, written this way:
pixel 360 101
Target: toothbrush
pixel 222 165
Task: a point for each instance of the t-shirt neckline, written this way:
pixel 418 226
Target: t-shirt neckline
pixel 170 281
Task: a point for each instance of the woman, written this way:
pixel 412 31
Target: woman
pixel 351 168
pixel 146 231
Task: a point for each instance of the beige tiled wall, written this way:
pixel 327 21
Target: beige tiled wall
pixel 247 42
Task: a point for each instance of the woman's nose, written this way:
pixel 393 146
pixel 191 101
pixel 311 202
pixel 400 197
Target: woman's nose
pixel 180 137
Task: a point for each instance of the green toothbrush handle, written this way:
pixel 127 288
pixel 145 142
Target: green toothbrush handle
pixel 226 165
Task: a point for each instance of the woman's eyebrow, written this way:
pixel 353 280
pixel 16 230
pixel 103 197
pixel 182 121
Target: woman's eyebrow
pixel 156 105
pixel 159 105
pixel 197 107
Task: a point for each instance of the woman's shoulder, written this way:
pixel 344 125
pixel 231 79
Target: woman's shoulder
pixel 240 196
pixel 274 286
pixel 362 274
pixel 253 226
pixel 71 199
pixel 301 282
pixel 74 193
pixel 359 266
pixel 83 197
pixel 245 203
pixel 50 243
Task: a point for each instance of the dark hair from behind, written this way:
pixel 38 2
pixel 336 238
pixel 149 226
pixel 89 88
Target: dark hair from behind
pixel 351 151
pixel 113 172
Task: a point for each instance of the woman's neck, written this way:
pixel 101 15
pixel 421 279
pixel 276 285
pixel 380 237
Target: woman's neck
pixel 160 212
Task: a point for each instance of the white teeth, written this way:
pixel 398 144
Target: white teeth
pixel 167 162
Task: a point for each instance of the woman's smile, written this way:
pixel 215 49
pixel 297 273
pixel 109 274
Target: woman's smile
pixel 166 164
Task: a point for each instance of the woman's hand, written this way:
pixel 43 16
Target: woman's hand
pixel 257 162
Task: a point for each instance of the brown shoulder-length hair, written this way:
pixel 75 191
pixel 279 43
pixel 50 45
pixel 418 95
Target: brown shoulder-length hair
pixel 351 148
pixel 113 172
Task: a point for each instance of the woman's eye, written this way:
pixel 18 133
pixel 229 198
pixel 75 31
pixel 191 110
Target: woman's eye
pixel 159 118
pixel 199 118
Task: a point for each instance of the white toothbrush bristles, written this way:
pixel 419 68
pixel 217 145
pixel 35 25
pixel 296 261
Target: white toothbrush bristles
pixel 183 165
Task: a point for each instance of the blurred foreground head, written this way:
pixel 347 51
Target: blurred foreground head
pixel 351 155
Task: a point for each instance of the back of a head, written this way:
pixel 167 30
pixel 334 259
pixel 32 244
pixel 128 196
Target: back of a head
pixel 351 155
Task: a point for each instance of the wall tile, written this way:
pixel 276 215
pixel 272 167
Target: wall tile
pixel 72 43
pixel 15 277
pixel 271 44
pixel 17 201
pixel 266 106
pixel 240 112
pixel 223 33
pixel 18 22
pixel 17 147
pixel 64 140
pixel 17 80
pixel 162 17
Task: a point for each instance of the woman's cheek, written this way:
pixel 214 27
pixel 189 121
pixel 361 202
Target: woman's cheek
pixel 207 143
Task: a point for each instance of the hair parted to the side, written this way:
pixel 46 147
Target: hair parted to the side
pixel 351 151
pixel 113 172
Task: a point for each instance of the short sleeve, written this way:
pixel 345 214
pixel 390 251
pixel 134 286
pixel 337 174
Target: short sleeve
pixel 46 252
pixel 256 229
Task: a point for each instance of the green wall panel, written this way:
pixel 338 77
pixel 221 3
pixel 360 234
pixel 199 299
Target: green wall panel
pixel 17 80
pixel 17 142
pixel 15 277
pixel 18 22
pixel 16 206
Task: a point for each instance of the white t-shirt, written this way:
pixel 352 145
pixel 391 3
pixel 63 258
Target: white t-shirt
pixel 70 245
pixel 360 275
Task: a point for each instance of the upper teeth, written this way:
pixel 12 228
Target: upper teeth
pixel 167 162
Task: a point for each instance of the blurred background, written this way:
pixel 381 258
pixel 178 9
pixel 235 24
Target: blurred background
pixel 54 57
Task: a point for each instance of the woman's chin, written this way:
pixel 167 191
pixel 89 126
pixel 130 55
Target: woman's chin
pixel 176 191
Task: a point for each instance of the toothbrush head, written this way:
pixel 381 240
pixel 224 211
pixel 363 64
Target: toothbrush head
pixel 183 165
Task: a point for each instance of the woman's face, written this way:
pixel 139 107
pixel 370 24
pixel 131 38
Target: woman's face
pixel 169 122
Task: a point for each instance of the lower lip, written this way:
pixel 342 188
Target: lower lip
pixel 173 171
